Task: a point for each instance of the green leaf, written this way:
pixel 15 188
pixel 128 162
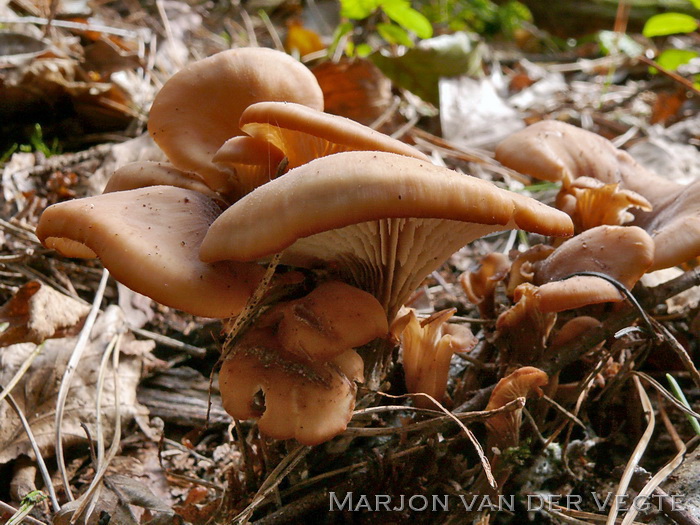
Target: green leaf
pixel 672 59
pixel 695 3
pixel 401 12
pixel 364 50
pixel 358 9
pixel 394 34
pixel 669 24
pixel 419 69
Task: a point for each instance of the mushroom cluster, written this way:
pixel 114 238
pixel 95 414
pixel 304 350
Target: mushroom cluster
pixel 257 169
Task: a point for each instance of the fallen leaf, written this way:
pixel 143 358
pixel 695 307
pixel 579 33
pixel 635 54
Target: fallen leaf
pixel 37 390
pixel 38 312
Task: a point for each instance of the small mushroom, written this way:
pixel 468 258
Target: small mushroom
pixel 504 429
pixel 427 348
pixel 305 134
pixel 198 109
pixel 590 203
pixel 299 356
pixel 149 239
pixel 480 285
pixel 382 221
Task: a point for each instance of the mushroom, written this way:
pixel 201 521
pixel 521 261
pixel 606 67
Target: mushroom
pixel 556 151
pixel 299 357
pixel 149 239
pixel 590 203
pixel 305 134
pixel 381 220
pixel 623 253
pixel 198 109
pixel 427 348
pixel 480 285
pixel 250 163
pixel 504 428
pixel 147 173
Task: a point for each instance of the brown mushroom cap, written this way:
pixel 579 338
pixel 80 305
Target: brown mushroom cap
pixel 556 151
pixel 384 220
pixel 147 173
pixel 305 134
pixel 624 253
pixel 308 401
pixel 149 240
pixel 198 109
pixel 504 428
pixel 331 319
pixel 480 285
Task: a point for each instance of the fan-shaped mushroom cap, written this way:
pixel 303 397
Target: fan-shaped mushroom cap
pixel 149 239
pixel 624 253
pixel 198 109
pixel 147 173
pixel 250 163
pixel 305 134
pixel 383 220
pixel 427 348
pixel 556 151
pixel 504 428
pixel 334 316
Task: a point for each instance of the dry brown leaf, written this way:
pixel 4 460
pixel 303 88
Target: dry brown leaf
pixel 38 312
pixel 37 391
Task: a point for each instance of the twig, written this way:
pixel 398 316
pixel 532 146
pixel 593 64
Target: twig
pixel 670 74
pixel 668 506
pixel 9 508
pixel 194 351
pixel 78 350
pixel 636 454
pixel 35 447
pixel 680 352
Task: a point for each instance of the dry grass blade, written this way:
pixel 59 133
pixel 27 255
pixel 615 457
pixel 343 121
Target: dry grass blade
pixel 475 442
pixel 80 346
pixel 273 480
pixel 10 509
pixel 114 344
pixel 680 352
pixel 669 397
pixel 662 474
pixel 39 459
pixel 636 454
pixel 92 493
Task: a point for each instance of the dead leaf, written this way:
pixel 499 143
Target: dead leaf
pixel 37 391
pixel 38 312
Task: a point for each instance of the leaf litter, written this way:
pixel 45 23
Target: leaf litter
pixel 175 464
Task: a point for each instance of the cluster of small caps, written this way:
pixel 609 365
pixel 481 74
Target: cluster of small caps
pixel 194 234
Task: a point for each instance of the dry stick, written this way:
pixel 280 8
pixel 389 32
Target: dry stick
pixel 35 447
pixel 636 454
pixel 78 351
pixel 662 474
pixel 670 74
pixel 680 352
